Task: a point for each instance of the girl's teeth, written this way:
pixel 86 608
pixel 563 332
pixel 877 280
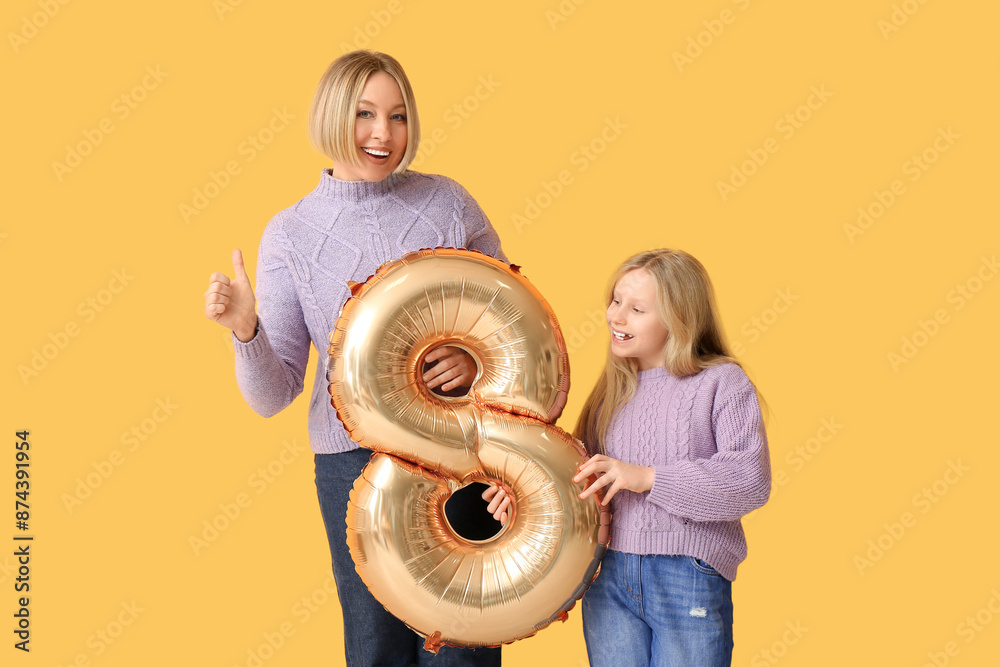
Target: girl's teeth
pixel 621 336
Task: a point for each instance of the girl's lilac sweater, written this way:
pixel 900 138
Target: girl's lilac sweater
pixel 704 436
pixel 341 231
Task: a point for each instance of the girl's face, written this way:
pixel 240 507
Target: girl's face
pixel 636 329
pixel 379 131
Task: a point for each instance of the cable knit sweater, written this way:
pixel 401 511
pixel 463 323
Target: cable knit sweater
pixel 704 436
pixel 341 231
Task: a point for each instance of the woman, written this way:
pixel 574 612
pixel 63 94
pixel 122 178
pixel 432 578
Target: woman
pixel 367 210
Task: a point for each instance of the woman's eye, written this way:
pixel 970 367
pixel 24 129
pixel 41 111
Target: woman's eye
pixel 364 113
pixel 399 116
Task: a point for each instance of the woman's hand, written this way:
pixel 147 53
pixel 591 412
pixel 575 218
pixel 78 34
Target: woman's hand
pixel 453 368
pixel 231 302
pixel 614 474
pixel 499 503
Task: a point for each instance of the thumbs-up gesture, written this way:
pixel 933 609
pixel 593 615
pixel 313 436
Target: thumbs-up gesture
pixel 231 302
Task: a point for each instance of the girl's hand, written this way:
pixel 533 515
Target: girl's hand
pixel 454 368
pixel 616 475
pixel 231 302
pixel 499 503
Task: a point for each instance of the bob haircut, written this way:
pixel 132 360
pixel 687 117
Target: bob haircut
pixel 334 108
pixel 685 303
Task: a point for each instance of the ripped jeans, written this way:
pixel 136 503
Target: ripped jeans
pixel 658 610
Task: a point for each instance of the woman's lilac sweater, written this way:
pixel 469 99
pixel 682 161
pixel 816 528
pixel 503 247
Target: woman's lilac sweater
pixel 704 436
pixel 341 231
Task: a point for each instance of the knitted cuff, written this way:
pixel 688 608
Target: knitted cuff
pixel 661 494
pixel 253 348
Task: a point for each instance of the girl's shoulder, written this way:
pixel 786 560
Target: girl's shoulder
pixel 726 377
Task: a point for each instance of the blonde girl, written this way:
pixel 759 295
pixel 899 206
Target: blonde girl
pixel 676 436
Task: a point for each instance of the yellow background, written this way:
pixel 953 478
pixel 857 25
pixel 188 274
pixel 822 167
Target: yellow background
pixel 514 92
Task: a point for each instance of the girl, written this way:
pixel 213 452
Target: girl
pixel 368 209
pixel 676 436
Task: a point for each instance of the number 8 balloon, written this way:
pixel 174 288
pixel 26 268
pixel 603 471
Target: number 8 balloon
pixel 449 588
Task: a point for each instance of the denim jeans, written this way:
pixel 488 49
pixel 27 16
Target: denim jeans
pixel 372 636
pixel 658 611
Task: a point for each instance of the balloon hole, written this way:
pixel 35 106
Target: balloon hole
pixel 457 392
pixel 466 513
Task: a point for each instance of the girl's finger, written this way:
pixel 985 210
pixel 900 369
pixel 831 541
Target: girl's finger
pixel 601 482
pixel 592 467
pixel 615 488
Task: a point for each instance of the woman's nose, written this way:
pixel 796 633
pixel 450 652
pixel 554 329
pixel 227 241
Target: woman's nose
pixel 380 129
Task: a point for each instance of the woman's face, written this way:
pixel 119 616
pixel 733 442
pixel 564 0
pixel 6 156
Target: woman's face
pixel 379 131
pixel 636 329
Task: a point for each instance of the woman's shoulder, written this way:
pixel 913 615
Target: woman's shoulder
pixel 313 207
pixel 420 181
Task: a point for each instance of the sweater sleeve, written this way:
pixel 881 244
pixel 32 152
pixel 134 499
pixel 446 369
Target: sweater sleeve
pixel 480 234
pixel 736 479
pixel 271 367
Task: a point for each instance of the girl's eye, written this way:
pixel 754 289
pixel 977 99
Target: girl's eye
pixel 399 116
pixel 364 113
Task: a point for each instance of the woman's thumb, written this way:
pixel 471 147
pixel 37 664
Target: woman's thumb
pixel 239 272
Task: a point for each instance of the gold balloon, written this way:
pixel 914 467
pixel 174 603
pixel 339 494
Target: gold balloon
pixel 450 589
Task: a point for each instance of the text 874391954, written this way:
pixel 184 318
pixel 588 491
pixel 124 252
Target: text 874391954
pixel 22 515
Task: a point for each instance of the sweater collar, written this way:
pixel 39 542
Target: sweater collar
pixel 357 190
pixel 652 374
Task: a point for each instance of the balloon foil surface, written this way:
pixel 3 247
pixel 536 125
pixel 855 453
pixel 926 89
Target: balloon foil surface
pixel 450 589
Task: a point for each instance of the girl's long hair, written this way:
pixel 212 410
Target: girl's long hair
pixel 685 302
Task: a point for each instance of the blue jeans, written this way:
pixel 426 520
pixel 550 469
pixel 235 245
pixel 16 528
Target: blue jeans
pixel 372 636
pixel 658 611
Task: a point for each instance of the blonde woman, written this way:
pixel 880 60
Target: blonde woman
pixel 366 210
pixel 676 436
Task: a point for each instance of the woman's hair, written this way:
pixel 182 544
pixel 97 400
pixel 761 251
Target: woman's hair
pixel 334 108
pixel 685 303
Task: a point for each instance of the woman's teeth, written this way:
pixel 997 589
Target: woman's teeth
pixel 376 153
